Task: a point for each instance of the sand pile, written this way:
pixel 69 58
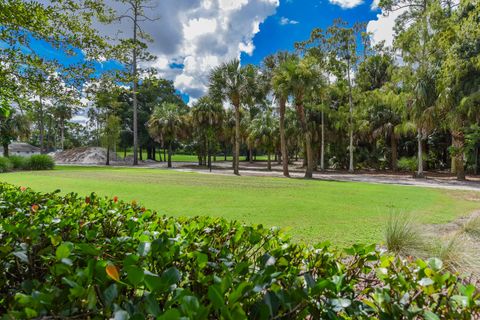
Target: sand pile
pixel 83 155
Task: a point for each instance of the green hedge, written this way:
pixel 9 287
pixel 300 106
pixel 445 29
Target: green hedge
pixel 35 162
pixel 5 165
pixel 39 162
pixel 97 258
pixel 18 162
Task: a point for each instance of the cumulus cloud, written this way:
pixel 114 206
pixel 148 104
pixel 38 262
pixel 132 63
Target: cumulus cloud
pixel 346 4
pixel 193 36
pixel 382 29
pixel 284 21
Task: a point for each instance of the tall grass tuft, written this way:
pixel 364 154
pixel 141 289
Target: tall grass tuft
pixel 401 235
pixel 472 227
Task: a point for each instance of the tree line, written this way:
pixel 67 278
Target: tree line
pixel 336 101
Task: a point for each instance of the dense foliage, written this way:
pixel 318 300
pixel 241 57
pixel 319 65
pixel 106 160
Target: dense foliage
pixel 35 162
pixel 69 256
pixel 39 162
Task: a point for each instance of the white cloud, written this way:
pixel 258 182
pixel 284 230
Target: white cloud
pixel 346 4
pixel 382 28
pixel 198 34
pixel 284 21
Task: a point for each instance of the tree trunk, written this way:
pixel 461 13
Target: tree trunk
pixel 108 155
pixel 209 157
pixel 205 151
pixel 149 152
pixel 164 154
pixel 351 169
pixel 393 146
pixel 170 155
pixel 458 144
pixel 308 141
pixel 62 133
pixel 124 152
pixel 140 151
pixel 154 153
pixel 420 173
pixel 322 146
pixel 236 157
pixel 41 128
pixel 283 140
pixel 476 160
pixel 135 85
pixel 5 150
pixel 269 161
pixel 250 155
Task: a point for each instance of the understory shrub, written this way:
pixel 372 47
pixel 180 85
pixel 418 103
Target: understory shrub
pixel 5 165
pixel 99 258
pixel 407 164
pixel 18 162
pixel 39 162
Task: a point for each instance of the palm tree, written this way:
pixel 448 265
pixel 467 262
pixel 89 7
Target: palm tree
pixel 229 82
pixel 281 93
pixel 262 129
pixel 298 76
pixel 166 125
pixel 207 118
pixel 421 110
pixel 13 125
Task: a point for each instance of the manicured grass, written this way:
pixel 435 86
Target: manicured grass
pixel 311 211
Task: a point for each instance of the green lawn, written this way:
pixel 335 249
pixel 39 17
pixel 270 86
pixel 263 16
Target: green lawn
pixel 310 211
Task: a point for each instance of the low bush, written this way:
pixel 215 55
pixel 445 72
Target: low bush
pixel 5 165
pixel 99 258
pixel 18 162
pixel 407 164
pixel 39 162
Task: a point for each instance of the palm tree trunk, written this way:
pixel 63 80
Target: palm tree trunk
pixel 236 157
pixel 350 100
pixel 62 133
pixel 135 85
pixel 269 162
pixel 250 154
pixel 458 144
pixel 205 153
pixel 420 173
pixel 308 141
pixel 209 157
pixel 170 154
pixel 283 140
pixel 476 160
pixel 5 150
pixel 41 128
pixel 322 147
pixel 393 146
pixel 108 155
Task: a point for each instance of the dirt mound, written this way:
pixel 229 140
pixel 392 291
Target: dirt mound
pixel 84 155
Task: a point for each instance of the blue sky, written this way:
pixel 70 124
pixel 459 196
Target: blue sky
pixel 197 35
pixel 304 15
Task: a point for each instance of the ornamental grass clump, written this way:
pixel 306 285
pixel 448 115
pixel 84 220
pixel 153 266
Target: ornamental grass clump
pixel 99 258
